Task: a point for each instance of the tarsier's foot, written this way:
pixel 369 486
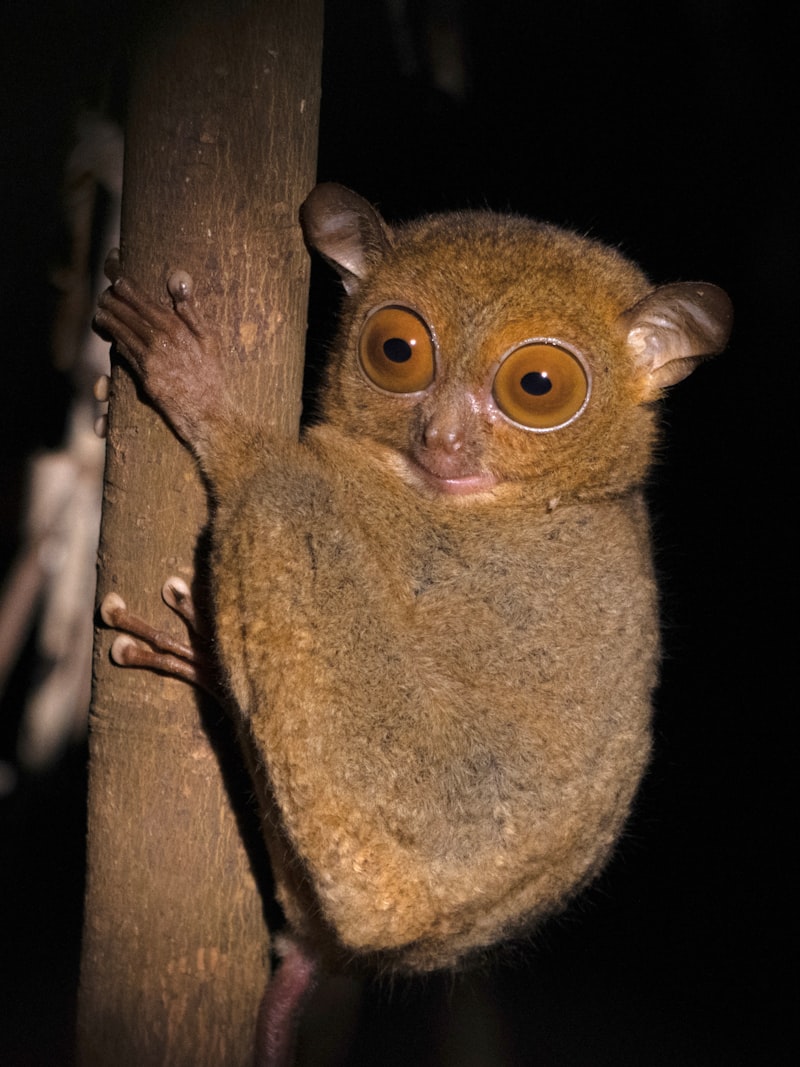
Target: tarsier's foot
pixel 162 652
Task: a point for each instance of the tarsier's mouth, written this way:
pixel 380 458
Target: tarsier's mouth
pixel 460 485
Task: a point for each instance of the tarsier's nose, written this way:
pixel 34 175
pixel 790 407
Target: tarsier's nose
pixel 451 425
pixel 445 433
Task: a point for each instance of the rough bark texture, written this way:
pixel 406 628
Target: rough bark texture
pixel 221 148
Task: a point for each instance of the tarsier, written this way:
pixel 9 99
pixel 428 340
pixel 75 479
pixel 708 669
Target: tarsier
pixel 435 613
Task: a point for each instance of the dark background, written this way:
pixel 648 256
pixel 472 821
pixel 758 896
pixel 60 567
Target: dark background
pixel 659 128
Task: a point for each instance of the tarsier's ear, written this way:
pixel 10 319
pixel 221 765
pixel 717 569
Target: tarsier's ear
pixel 672 329
pixel 345 229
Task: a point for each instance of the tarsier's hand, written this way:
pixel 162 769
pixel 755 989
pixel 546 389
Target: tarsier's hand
pixel 174 353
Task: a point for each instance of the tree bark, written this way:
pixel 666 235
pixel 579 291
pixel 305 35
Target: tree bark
pixel 220 152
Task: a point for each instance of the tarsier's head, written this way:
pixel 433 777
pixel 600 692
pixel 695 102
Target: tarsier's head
pixel 488 351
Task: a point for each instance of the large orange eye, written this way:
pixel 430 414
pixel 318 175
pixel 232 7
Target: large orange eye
pixel 541 386
pixel 396 350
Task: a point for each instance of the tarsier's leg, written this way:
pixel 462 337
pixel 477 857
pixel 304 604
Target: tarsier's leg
pixel 162 652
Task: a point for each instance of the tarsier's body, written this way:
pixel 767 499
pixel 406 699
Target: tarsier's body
pixel 436 613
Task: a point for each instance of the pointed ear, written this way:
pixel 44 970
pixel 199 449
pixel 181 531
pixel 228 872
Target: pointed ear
pixel 346 231
pixel 672 329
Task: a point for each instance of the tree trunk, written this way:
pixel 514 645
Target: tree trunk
pixel 220 152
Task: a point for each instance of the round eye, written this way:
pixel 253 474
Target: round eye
pixel 396 350
pixel 541 386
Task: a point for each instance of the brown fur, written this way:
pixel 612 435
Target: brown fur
pixel 448 696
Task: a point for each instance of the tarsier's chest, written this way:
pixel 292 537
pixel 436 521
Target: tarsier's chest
pixel 498 608
pixel 360 622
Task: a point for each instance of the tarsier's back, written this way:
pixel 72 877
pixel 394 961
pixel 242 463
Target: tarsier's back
pixel 447 653
pixel 435 614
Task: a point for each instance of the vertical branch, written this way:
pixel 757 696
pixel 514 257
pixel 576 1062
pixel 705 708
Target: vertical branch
pixel 220 152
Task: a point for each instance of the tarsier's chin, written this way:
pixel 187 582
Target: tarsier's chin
pixel 446 654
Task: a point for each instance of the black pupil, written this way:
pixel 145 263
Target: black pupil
pixel 536 383
pixel 397 350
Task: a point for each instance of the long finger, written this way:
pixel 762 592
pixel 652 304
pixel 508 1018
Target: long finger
pixel 130 342
pixel 127 652
pixel 114 612
pixel 144 318
pixel 181 289
pixel 153 313
pixel 131 330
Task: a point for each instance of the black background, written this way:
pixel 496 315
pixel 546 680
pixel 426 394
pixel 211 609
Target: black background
pixel 660 128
